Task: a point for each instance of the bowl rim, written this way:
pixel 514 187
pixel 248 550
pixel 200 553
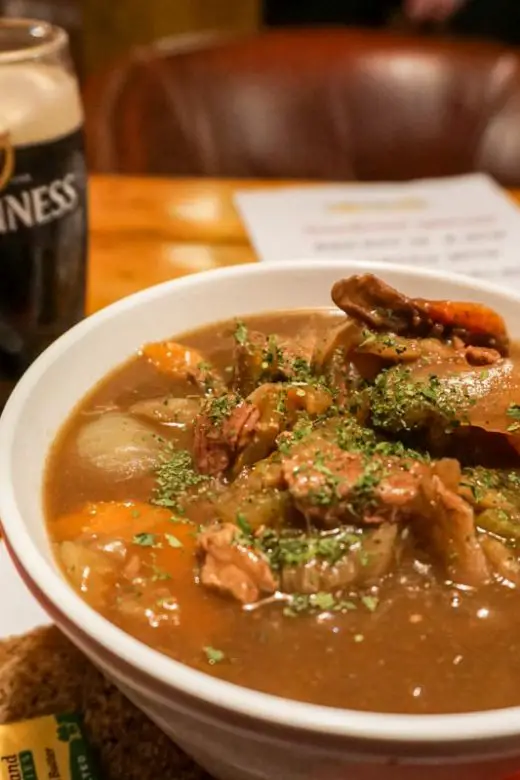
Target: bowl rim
pixel 330 721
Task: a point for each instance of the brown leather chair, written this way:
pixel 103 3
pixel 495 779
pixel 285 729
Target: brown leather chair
pixel 325 104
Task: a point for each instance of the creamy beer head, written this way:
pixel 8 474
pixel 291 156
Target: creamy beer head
pixel 43 225
pixel 39 102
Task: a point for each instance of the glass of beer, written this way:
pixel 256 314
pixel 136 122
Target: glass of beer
pixel 43 194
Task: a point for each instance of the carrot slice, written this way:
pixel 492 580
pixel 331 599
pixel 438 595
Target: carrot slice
pixel 169 357
pixel 473 317
pixel 118 518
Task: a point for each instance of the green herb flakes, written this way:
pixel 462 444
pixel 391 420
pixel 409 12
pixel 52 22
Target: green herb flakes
pixel 146 540
pixel 213 655
pixel 159 575
pixel 173 541
pixel 323 601
pixel 514 412
pixel 244 526
pixel 219 409
pixel 399 402
pixel 301 371
pixel 315 603
pixel 298 549
pixel 241 333
pixel 370 602
pixel 175 476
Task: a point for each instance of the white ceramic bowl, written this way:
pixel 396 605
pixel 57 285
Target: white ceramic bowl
pixel 236 733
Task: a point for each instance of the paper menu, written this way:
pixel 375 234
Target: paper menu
pixel 465 224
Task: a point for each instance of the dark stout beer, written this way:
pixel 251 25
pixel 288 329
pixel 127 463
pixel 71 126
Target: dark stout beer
pixel 43 221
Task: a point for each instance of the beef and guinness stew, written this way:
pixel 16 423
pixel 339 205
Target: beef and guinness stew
pixel 322 505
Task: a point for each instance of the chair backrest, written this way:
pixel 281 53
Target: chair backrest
pixel 320 104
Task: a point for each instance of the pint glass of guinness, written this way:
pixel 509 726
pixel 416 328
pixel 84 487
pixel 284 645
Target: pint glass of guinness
pixel 43 223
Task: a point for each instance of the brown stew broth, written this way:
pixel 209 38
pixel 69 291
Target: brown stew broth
pixel 425 648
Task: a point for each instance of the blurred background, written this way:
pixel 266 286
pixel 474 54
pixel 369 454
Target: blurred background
pixel 102 31
pixel 216 87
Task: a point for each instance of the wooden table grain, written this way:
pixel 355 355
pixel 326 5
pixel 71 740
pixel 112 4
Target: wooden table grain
pixel 145 230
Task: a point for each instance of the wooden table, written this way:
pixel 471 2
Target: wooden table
pixel 145 231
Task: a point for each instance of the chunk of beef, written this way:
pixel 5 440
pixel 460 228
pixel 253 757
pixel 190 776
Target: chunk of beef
pixel 229 431
pixel 331 486
pixel 232 567
pixel 370 300
pixel 222 428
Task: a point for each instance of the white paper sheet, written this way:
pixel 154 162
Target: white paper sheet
pixel 466 224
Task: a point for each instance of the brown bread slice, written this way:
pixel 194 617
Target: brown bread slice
pixel 42 673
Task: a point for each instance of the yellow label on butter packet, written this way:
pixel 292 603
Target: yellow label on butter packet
pixel 48 748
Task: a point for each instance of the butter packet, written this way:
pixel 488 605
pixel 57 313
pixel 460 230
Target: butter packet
pixel 49 748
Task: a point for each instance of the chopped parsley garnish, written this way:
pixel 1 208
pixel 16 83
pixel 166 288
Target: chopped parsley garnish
pixel 370 602
pixel 289 550
pixel 176 520
pixel 383 341
pixel 244 526
pixel 359 498
pixel 301 371
pixel 146 540
pixel 352 437
pixel 281 405
pixel 303 604
pixel 481 480
pixel 272 354
pixel 207 377
pixel 300 431
pixel 218 409
pixel 398 402
pixel 326 493
pixel 174 477
pixel 166 601
pixel 158 575
pixel 362 497
pixel 514 412
pixel 241 334
pixel 213 655
pixel 173 541
pixel 323 601
pixel 368 336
